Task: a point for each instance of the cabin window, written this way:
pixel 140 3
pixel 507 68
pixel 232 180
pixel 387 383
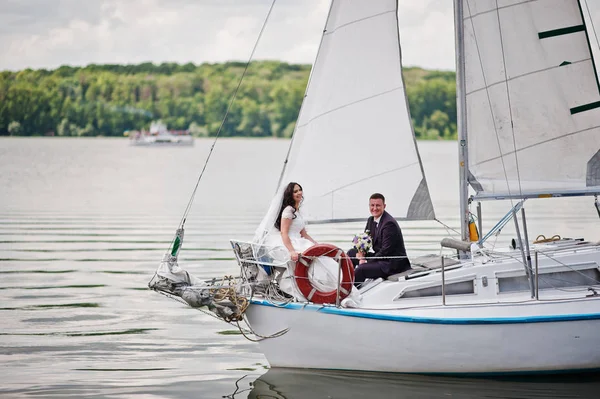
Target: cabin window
pixel 570 278
pixel 458 288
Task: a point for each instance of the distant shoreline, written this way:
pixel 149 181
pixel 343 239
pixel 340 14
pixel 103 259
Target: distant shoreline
pixel 109 100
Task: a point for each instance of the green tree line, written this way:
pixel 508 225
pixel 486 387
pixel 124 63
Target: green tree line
pixel 108 100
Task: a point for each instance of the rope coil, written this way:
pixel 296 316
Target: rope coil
pixel 542 239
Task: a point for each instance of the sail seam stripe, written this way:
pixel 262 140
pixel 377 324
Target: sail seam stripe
pixel 357 21
pixel 561 31
pixel 369 177
pixel 540 143
pixel 499 8
pixel 349 104
pixel 585 107
pixel 527 74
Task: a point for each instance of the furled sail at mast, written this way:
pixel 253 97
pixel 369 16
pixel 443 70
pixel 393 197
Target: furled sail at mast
pixel 354 135
pixel 532 99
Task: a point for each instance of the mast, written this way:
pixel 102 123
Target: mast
pixel 461 118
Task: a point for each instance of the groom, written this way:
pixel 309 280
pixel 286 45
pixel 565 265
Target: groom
pixel 387 242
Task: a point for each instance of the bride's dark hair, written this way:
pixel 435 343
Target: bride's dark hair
pixel 288 200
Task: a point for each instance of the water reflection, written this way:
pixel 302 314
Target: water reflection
pixel 85 334
pixel 290 384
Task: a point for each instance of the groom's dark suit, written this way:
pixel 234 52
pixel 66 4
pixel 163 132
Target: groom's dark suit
pixel 387 241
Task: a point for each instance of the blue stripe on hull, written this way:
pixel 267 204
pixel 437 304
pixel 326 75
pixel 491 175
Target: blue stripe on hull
pixel 430 320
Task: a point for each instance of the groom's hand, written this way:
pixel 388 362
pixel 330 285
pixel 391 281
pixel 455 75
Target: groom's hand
pixel 361 257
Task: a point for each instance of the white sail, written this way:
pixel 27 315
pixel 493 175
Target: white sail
pixel 354 135
pixel 532 99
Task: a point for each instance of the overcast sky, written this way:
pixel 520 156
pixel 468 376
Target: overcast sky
pixel 50 33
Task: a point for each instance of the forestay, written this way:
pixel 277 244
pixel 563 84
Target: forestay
pixel 354 135
pixel 533 99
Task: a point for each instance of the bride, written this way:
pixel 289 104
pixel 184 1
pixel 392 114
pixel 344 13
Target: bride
pixel 290 222
pixel 286 238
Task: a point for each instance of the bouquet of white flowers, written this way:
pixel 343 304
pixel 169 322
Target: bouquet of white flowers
pixel 362 242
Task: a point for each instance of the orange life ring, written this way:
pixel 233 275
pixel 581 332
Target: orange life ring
pixel 304 284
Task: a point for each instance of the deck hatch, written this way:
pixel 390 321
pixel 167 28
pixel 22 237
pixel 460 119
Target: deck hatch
pixel 570 278
pixel 458 288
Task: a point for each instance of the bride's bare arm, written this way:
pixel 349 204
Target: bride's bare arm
pixel 304 234
pixel 285 228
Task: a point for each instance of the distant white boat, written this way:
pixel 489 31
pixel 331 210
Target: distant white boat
pixel 159 135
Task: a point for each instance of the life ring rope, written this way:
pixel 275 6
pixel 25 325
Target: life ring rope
pixel 311 292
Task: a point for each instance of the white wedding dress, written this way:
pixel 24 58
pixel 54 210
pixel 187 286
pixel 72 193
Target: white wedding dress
pixel 323 272
pixel 298 242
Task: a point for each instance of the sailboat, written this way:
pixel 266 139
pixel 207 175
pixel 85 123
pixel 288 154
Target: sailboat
pixel 159 135
pixel 529 127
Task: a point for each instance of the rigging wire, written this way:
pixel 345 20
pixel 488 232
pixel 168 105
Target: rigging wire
pixel 447 227
pixel 512 127
pixel 229 107
pixel 487 92
pixel 310 76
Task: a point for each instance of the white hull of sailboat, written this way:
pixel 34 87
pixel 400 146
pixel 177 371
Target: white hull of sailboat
pixel 530 337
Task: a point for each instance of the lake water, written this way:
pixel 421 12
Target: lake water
pixel 85 222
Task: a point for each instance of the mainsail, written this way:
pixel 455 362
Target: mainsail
pixel 354 135
pixel 532 99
